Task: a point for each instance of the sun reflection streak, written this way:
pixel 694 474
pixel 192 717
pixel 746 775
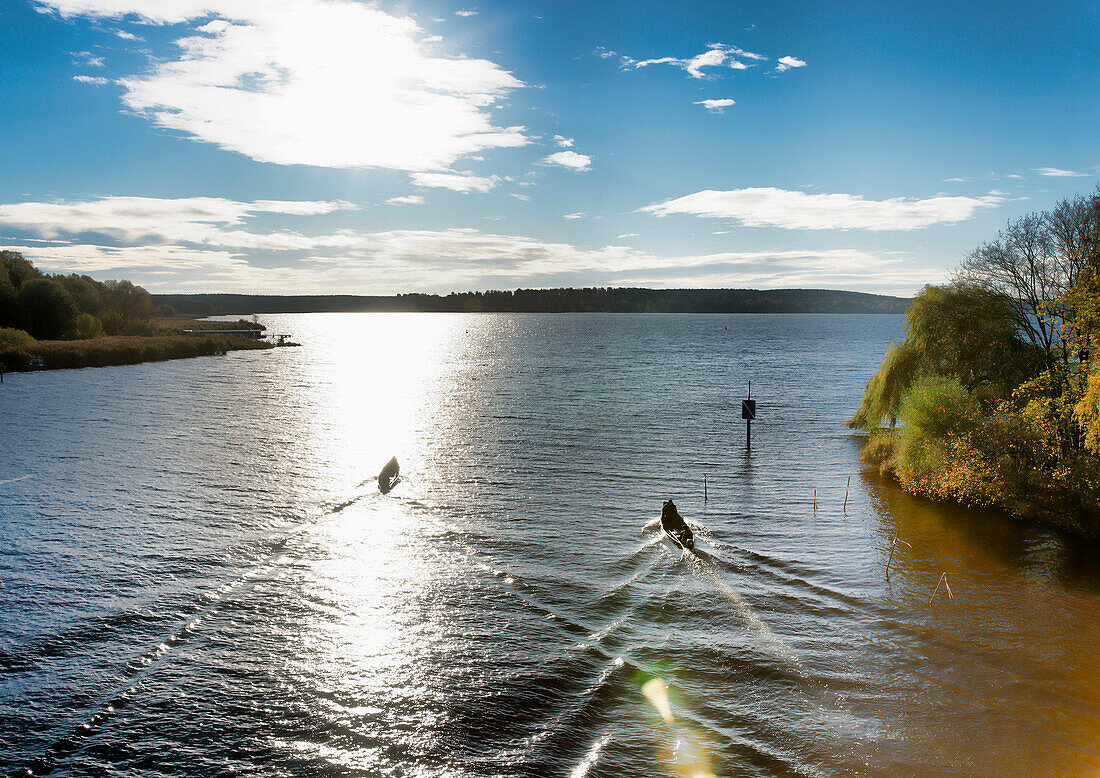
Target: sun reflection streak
pixel 685 751
pixel 378 381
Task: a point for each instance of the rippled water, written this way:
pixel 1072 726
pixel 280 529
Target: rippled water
pixel 198 575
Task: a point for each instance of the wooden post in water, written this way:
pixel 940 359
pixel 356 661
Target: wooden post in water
pixel 943 580
pixel 846 493
pixel 893 547
pixel 815 500
pixel 704 488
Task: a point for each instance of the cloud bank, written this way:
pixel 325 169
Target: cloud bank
pixel 210 244
pixel 1058 172
pixel 792 210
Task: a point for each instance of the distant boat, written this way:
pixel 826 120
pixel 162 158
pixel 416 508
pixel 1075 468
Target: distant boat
pixel 388 478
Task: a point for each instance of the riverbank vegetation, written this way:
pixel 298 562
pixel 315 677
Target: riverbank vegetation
pixel 997 382
pixel 69 321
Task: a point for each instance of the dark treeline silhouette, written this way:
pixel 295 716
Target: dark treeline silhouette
pixel 70 307
pixel 71 321
pixel 586 300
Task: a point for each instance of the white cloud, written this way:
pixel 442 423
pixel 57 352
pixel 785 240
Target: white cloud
pixel 1013 175
pixel 466 12
pixel 716 106
pixel 604 53
pixel 187 219
pixel 1053 171
pixel 786 63
pixel 771 207
pixel 329 83
pixel 458 182
pixel 89 59
pixel 708 59
pixel 716 55
pixel 955 179
pixel 569 159
pixel 94 80
pixel 626 235
pixel 577 215
pixel 523 197
pixel 563 141
pixel 406 200
pixel 128 36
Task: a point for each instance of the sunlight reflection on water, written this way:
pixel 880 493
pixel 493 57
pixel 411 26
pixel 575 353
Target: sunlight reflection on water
pixel 222 556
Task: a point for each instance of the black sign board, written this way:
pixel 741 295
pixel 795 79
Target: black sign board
pixel 748 409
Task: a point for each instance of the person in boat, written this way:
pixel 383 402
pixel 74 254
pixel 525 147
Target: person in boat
pixel 387 479
pixel 671 520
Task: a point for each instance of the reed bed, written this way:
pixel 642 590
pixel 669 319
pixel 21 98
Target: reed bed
pixel 118 350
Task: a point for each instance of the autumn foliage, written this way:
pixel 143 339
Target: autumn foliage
pixel 995 384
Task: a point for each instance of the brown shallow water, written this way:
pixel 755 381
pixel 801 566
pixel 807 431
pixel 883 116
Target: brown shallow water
pixel 1011 662
pixel 199 577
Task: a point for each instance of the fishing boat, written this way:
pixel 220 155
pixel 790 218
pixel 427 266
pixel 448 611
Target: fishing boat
pixel 675 527
pixel 388 478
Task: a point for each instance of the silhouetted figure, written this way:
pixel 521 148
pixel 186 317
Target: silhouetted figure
pixel 675 527
pixel 388 479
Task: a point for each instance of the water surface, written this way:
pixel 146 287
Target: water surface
pixel 199 577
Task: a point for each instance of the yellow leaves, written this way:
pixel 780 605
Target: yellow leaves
pixel 1087 412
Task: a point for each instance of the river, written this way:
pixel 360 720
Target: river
pixel 199 576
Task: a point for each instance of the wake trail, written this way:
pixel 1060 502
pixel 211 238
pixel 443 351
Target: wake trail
pixel 144 665
pixel 708 571
pixel 13 480
pixel 828 702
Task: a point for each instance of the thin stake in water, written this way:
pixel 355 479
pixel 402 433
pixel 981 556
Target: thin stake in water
pixel 846 492
pixel 893 546
pixel 815 500
pixel 943 580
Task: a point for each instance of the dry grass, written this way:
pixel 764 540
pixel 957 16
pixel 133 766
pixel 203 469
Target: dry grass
pixel 177 324
pixel 120 350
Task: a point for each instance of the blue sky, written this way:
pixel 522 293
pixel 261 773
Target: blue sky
pixel 314 146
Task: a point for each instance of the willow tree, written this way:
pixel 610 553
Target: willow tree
pixel 963 330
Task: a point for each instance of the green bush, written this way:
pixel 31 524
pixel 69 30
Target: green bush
pixel 86 326
pixel 12 338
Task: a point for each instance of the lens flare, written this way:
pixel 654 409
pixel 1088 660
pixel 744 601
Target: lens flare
pixel 685 752
pixel 656 692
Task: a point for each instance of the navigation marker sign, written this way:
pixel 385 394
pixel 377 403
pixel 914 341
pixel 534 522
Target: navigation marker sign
pixel 748 413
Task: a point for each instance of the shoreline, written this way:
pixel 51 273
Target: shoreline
pixel 1044 505
pixel 117 350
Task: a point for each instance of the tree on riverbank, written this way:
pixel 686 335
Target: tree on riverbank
pixel 995 383
pixel 69 307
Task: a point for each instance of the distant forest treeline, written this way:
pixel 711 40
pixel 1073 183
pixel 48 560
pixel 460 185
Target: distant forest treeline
pixel 587 300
